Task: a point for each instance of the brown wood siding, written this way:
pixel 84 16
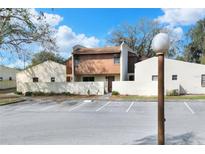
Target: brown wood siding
pixel 97 64
pixel 69 66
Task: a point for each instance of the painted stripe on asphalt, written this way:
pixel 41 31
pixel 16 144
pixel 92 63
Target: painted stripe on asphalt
pixel 77 106
pixel 130 107
pixel 100 108
pixel 48 107
pixel 188 107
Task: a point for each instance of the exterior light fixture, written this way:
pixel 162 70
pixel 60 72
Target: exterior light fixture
pixel 160 44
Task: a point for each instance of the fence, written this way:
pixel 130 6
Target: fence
pixel 79 88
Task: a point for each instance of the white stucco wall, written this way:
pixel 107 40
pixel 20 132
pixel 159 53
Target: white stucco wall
pixel 188 78
pixel 6 73
pixel 44 72
pixel 79 88
pixel 134 88
pixel 123 62
pixel 188 75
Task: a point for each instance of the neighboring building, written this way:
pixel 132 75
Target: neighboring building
pixel 7 77
pixel 47 71
pixel 101 64
pixel 188 78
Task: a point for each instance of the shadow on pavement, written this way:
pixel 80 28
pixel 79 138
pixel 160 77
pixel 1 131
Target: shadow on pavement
pixel 182 139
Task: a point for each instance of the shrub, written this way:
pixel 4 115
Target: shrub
pixel 28 93
pixel 174 92
pixel 88 92
pixel 18 92
pixel 115 93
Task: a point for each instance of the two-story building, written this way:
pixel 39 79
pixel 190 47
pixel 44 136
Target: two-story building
pixel 101 64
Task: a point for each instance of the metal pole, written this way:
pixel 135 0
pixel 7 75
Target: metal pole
pixel 161 99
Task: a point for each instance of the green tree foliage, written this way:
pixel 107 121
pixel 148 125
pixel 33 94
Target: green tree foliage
pixel 21 27
pixel 195 49
pixel 44 56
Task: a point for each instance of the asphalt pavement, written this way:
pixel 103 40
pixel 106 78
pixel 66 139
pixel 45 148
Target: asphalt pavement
pixel 99 122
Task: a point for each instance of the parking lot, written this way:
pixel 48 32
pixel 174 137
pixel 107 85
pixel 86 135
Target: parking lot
pixel 99 122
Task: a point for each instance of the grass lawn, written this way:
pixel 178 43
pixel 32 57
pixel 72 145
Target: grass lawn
pixel 148 98
pixel 6 101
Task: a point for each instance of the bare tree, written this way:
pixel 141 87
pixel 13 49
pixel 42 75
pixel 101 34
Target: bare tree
pixel 21 27
pixel 139 37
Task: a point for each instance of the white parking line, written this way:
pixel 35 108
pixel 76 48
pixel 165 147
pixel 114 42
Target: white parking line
pixel 48 107
pixel 188 107
pixel 100 108
pixel 130 107
pixel 77 106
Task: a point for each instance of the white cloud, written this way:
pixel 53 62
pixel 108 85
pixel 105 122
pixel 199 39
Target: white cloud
pixel 67 38
pixel 183 16
pixel 175 19
pixel 53 19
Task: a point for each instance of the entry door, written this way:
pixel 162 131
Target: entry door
pixel 110 79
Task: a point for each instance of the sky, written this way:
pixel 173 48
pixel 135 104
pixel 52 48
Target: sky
pixel 91 27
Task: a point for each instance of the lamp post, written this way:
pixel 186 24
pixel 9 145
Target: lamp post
pixel 160 44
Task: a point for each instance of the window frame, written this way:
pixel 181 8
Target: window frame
pixel 154 76
pixel 174 77
pixel 52 79
pixel 34 79
pixel 203 80
pixel 116 58
pixel 88 79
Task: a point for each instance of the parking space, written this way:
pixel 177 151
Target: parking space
pixel 99 122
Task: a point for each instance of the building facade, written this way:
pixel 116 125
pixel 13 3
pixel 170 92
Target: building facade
pixel 7 77
pixel 187 78
pixel 101 64
pixel 48 71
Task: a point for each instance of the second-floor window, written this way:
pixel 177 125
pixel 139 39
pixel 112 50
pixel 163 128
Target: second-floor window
pixel 77 60
pixel 116 59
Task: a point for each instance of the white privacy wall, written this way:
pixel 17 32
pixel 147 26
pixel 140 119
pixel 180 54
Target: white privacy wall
pixel 79 88
pixel 134 88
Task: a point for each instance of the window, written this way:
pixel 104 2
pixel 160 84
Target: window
pixel 203 80
pixel 87 79
pixel 154 77
pixel 174 77
pixel 52 79
pixel 77 60
pixel 10 78
pixel 131 78
pixel 1 78
pixel 35 79
pixel 116 59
